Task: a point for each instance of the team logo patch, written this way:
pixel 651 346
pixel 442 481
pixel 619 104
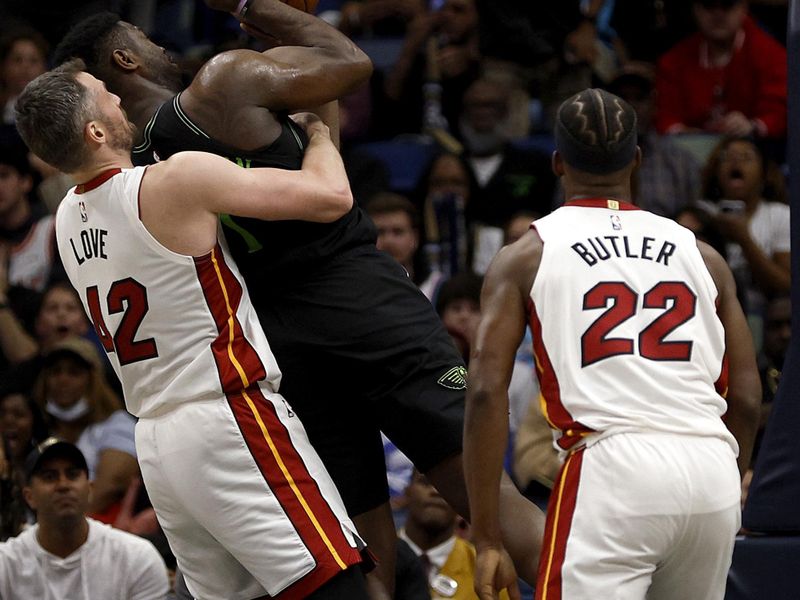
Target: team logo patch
pixel 454 379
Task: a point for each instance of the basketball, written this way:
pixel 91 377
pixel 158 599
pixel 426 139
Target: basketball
pixel 305 5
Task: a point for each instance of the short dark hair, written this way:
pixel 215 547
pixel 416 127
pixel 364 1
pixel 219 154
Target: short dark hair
pixel 596 132
pixel 14 153
pixel 384 203
pixel 461 286
pixel 50 115
pixel 91 40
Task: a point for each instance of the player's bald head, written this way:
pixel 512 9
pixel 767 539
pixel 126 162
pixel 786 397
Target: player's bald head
pixel 595 132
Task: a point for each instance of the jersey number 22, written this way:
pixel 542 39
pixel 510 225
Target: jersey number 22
pixel 595 345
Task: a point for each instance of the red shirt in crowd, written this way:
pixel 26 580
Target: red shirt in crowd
pixel 694 94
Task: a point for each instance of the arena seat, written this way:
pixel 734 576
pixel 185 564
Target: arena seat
pixel 405 158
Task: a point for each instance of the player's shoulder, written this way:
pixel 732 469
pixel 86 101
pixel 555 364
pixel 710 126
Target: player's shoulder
pixel 178 166
pixel 225 70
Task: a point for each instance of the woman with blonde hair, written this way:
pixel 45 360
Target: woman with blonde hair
pixel 81 408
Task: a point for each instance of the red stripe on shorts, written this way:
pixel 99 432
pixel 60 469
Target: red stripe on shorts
pixel 223 293
pixel 557 413
pixel 295 488
pixel 560 510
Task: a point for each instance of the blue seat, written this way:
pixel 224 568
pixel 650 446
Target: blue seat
pixel 404 159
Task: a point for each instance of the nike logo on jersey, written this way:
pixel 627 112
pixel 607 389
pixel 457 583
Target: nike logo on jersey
pixel 600 248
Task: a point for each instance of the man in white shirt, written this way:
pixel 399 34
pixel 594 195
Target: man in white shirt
pixel 66 555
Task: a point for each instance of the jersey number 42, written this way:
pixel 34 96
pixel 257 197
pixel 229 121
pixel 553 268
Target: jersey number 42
pixel 129 297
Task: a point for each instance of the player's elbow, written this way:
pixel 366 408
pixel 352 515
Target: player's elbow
pixel 338 203
pixel 362 66
pixel 349 69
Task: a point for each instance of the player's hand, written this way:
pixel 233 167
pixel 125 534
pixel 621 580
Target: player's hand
pixel 732 226
pixel 736 124
pixel 311 123
pixel 494 571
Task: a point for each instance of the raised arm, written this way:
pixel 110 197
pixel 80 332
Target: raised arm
pixel 192 188
pixel 744 384
pixel 312 62
pixel 502 326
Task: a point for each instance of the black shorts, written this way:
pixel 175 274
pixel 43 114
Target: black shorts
pixel 362 350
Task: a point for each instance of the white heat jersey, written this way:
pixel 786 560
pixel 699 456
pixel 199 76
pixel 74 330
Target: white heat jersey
pixel 176 328
pixel 626 334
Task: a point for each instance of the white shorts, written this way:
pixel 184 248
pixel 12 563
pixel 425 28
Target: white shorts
pixel 642 515
pixel 245 502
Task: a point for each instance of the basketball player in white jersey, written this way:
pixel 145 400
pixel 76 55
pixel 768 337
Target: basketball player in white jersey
pixel 648 378
pixel 245 502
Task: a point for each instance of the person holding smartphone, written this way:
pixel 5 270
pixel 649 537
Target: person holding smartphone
pixel 753 217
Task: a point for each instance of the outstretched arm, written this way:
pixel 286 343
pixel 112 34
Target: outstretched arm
pixel 744 384
pixel 502 325
pixel 311 64
pixel 192 188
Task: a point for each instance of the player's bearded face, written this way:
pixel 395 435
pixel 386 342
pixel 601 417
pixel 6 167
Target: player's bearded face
pixel 121 133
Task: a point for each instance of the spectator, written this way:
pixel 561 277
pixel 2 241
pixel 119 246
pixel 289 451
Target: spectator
pixel 757 228
pixel 58 316
pixel 22 427
pixel 443 195
pixel 82 409
pixel 728 78
pixel 23 57
pixel 777 335
pixel 430 531
pixel 30 235
pixel 458 304
pixel 28 258
pixel 397 221
pixel 438 61
pixel 509 179
pixel 669 176
pixel 66 555
pixel 552 48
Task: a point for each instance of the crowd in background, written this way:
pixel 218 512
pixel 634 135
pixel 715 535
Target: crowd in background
pixel 448 150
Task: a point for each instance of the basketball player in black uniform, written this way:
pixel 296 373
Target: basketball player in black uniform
pixel 360 348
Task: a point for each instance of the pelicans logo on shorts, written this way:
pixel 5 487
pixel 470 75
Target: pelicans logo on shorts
pixel 454 379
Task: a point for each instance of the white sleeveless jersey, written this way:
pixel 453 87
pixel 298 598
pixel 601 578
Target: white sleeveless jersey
pixel 31 260
pixel 626 334
pixel 176 328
